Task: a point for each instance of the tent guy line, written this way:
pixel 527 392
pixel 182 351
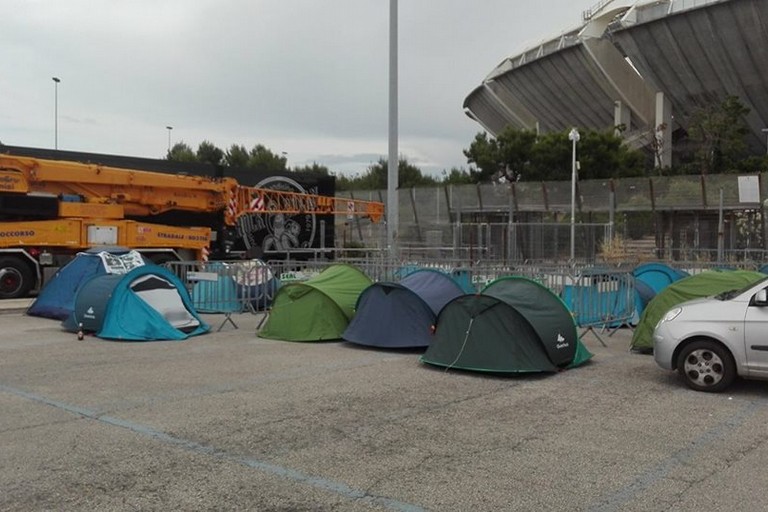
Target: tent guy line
pixel 195 447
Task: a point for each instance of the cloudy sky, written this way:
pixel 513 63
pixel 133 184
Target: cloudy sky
pixel 304 77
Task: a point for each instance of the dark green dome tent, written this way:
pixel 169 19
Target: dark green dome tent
pixel 697 286
pixel 317 309
pixel 514 325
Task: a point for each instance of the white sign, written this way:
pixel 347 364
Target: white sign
pixel 202 276
pixel 749 189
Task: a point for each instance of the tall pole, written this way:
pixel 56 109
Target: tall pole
pixel 393 209
pixel 56 81
pixel 169 128
pixel 574 137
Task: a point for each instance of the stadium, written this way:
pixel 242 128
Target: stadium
pixel 643 65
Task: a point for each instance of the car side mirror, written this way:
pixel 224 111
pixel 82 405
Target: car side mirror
pixel 761 298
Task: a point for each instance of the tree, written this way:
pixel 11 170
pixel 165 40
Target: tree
pixel 314 169
pixel 718 131
pixel 484 153
pixel 181 152
pixel 208 153
pixel 551 158
pixel 505 156
pixel 522 155
pixel 236 156
pixel 344 182
pixel 602 155
pixel 408 175
pixel 375 177
pixel 264 160
pixel 458 176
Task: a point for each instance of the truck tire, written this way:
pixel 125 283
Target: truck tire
pixel 16 278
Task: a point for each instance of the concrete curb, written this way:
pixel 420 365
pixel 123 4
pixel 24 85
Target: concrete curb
pixel 14 306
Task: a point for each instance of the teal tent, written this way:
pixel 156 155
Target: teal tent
pixel 514 325
pixel 146 304
pixel 705 284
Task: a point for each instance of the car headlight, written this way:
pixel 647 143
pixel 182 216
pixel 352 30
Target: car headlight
pixel 671 315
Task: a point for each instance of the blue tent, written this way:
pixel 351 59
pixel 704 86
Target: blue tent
pixel 57 298
pixel 650 279
pixel 657 275
pixel 148 303
pixel 401 315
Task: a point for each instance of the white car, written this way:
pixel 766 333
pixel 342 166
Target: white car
pixel 712 341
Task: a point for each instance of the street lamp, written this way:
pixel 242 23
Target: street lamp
pixel 574 137
pixel 169 128
pixel 56 81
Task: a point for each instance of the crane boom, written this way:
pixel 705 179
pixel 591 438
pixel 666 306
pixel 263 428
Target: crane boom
pixel 50 209
pixel 146 193
pixel 257 200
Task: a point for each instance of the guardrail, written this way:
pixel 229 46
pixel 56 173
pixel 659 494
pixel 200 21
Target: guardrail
pixel 227 287
pixel 599 298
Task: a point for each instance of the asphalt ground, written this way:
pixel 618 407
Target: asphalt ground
pixel 229 421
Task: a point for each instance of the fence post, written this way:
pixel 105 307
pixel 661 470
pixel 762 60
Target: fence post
pixel 720 233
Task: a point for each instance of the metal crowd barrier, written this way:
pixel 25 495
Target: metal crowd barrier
pixel 227 287
pixel 601 298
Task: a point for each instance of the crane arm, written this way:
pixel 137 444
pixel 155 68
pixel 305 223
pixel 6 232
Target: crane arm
pixel 255 200
pixel 143 193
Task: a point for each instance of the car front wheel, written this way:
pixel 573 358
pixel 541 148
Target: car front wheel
pixel 706 366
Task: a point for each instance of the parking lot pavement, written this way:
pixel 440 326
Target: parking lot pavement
pixel 231 421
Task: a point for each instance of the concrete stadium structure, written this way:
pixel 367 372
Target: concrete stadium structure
pixel 646 65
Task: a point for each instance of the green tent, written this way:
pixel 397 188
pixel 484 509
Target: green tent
pixel 513 325
pixel 317 309
pixel 696 286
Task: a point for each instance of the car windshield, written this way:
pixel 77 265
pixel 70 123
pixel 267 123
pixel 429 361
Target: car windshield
pixel 728 295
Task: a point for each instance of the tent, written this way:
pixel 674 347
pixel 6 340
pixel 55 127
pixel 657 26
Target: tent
pixel 514 325
pixel 650 279
pixel 317 309
pixel 57 298
pixel 657 275
pixel 234 287
pixel 401 315
pixel 697 286
pixel 148 303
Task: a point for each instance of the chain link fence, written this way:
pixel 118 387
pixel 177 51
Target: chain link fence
pixel 707 218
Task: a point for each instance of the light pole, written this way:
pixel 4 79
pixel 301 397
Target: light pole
pixel 56 81
pixel 574 137
pixel 393 208
pixel 169 128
